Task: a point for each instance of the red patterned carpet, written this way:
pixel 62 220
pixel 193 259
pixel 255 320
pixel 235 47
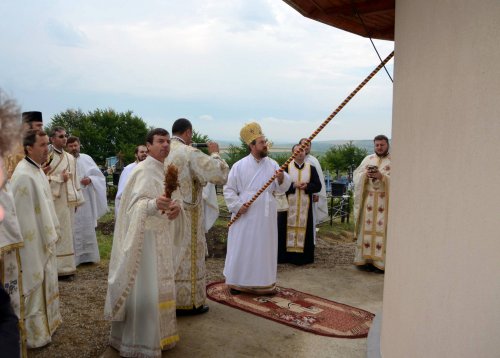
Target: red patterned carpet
pixel 299 310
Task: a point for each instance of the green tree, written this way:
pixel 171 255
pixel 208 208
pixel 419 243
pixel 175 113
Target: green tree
pixel 235 153
pixel 281 158
pixel 343 158
pixel 200 138
pixel 104 133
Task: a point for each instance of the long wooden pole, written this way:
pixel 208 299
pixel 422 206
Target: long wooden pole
pixel 314 134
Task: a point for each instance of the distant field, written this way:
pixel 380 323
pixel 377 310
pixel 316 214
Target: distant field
pixel 274 149
pixel 317 146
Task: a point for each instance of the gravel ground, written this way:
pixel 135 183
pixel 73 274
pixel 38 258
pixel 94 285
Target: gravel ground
pixel 84 332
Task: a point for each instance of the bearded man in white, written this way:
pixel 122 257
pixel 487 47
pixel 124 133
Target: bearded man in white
pixel 147 247
pixel 93 184
pixel 40 230
pixel 65 188
pixel 252 244
pixel 372 181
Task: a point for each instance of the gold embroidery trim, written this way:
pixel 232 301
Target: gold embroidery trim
pixel 297 229
pixel 72 254
pixel 52 299
pixel 169 340
pixel 11 247
pixel 22 312
pixel 166 305
pixel 121 300
pixel 194 239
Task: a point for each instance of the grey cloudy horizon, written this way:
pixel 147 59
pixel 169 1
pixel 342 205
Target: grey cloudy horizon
pixel 218 63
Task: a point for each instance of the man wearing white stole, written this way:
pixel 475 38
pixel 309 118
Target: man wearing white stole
pixel 93 188
pixel 372 181
pixel 252 244
pixel 65 188
pixel 147 247
pixel 196 169
pixel 40 230
pixel 298 245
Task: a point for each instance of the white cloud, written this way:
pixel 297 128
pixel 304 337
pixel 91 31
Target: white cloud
pixel 235 59
pixel 206 117
pixel 65 34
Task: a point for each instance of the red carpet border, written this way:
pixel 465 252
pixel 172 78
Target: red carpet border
pixel 299 310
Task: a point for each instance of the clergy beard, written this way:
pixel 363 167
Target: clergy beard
pixel 262 153
pixel 383 155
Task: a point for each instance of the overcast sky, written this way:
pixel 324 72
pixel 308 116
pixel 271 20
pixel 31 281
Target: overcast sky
pixel 219 63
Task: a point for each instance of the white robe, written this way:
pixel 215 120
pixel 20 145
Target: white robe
pixel 86 216
pixel 371 207
pixel 196 169
pixel 320 208
pixel 67 195
pixel 147 248
pixel 40 230
pixel 252 244
pixel 121 185
pixel 210 205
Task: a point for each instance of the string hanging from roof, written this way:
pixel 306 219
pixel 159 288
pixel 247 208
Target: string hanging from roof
pixel 313 135
pixel 368 34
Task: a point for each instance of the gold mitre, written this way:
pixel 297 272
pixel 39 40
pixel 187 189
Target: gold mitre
pixel 250 132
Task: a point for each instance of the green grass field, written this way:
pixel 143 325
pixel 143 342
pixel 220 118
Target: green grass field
pixel 104 233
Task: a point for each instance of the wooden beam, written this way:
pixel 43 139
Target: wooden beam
pixel 363 8
pixel 345 23
pixel 344 17
pixel 385 33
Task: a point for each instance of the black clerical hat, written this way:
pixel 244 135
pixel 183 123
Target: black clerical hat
pixel 33 116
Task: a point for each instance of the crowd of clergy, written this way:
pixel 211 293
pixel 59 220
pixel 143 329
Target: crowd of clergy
pixel 52 196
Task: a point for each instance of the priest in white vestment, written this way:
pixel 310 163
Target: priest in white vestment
pixel 372 181
pixel 12 332
pixel 296 238
pixel 147 247
pixel 320 203
pixel 93 188
pixel 196 169
pixel 67 195
pixel 40 230
pixel 140 153
pixel 252 244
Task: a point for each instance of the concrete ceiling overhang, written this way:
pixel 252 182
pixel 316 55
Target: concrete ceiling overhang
pixel 367 18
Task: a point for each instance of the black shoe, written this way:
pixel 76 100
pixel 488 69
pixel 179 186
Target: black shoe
pixel 202 309
pixel 68 278
pixel 366 268
pixel 193 311
pixel 234 291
